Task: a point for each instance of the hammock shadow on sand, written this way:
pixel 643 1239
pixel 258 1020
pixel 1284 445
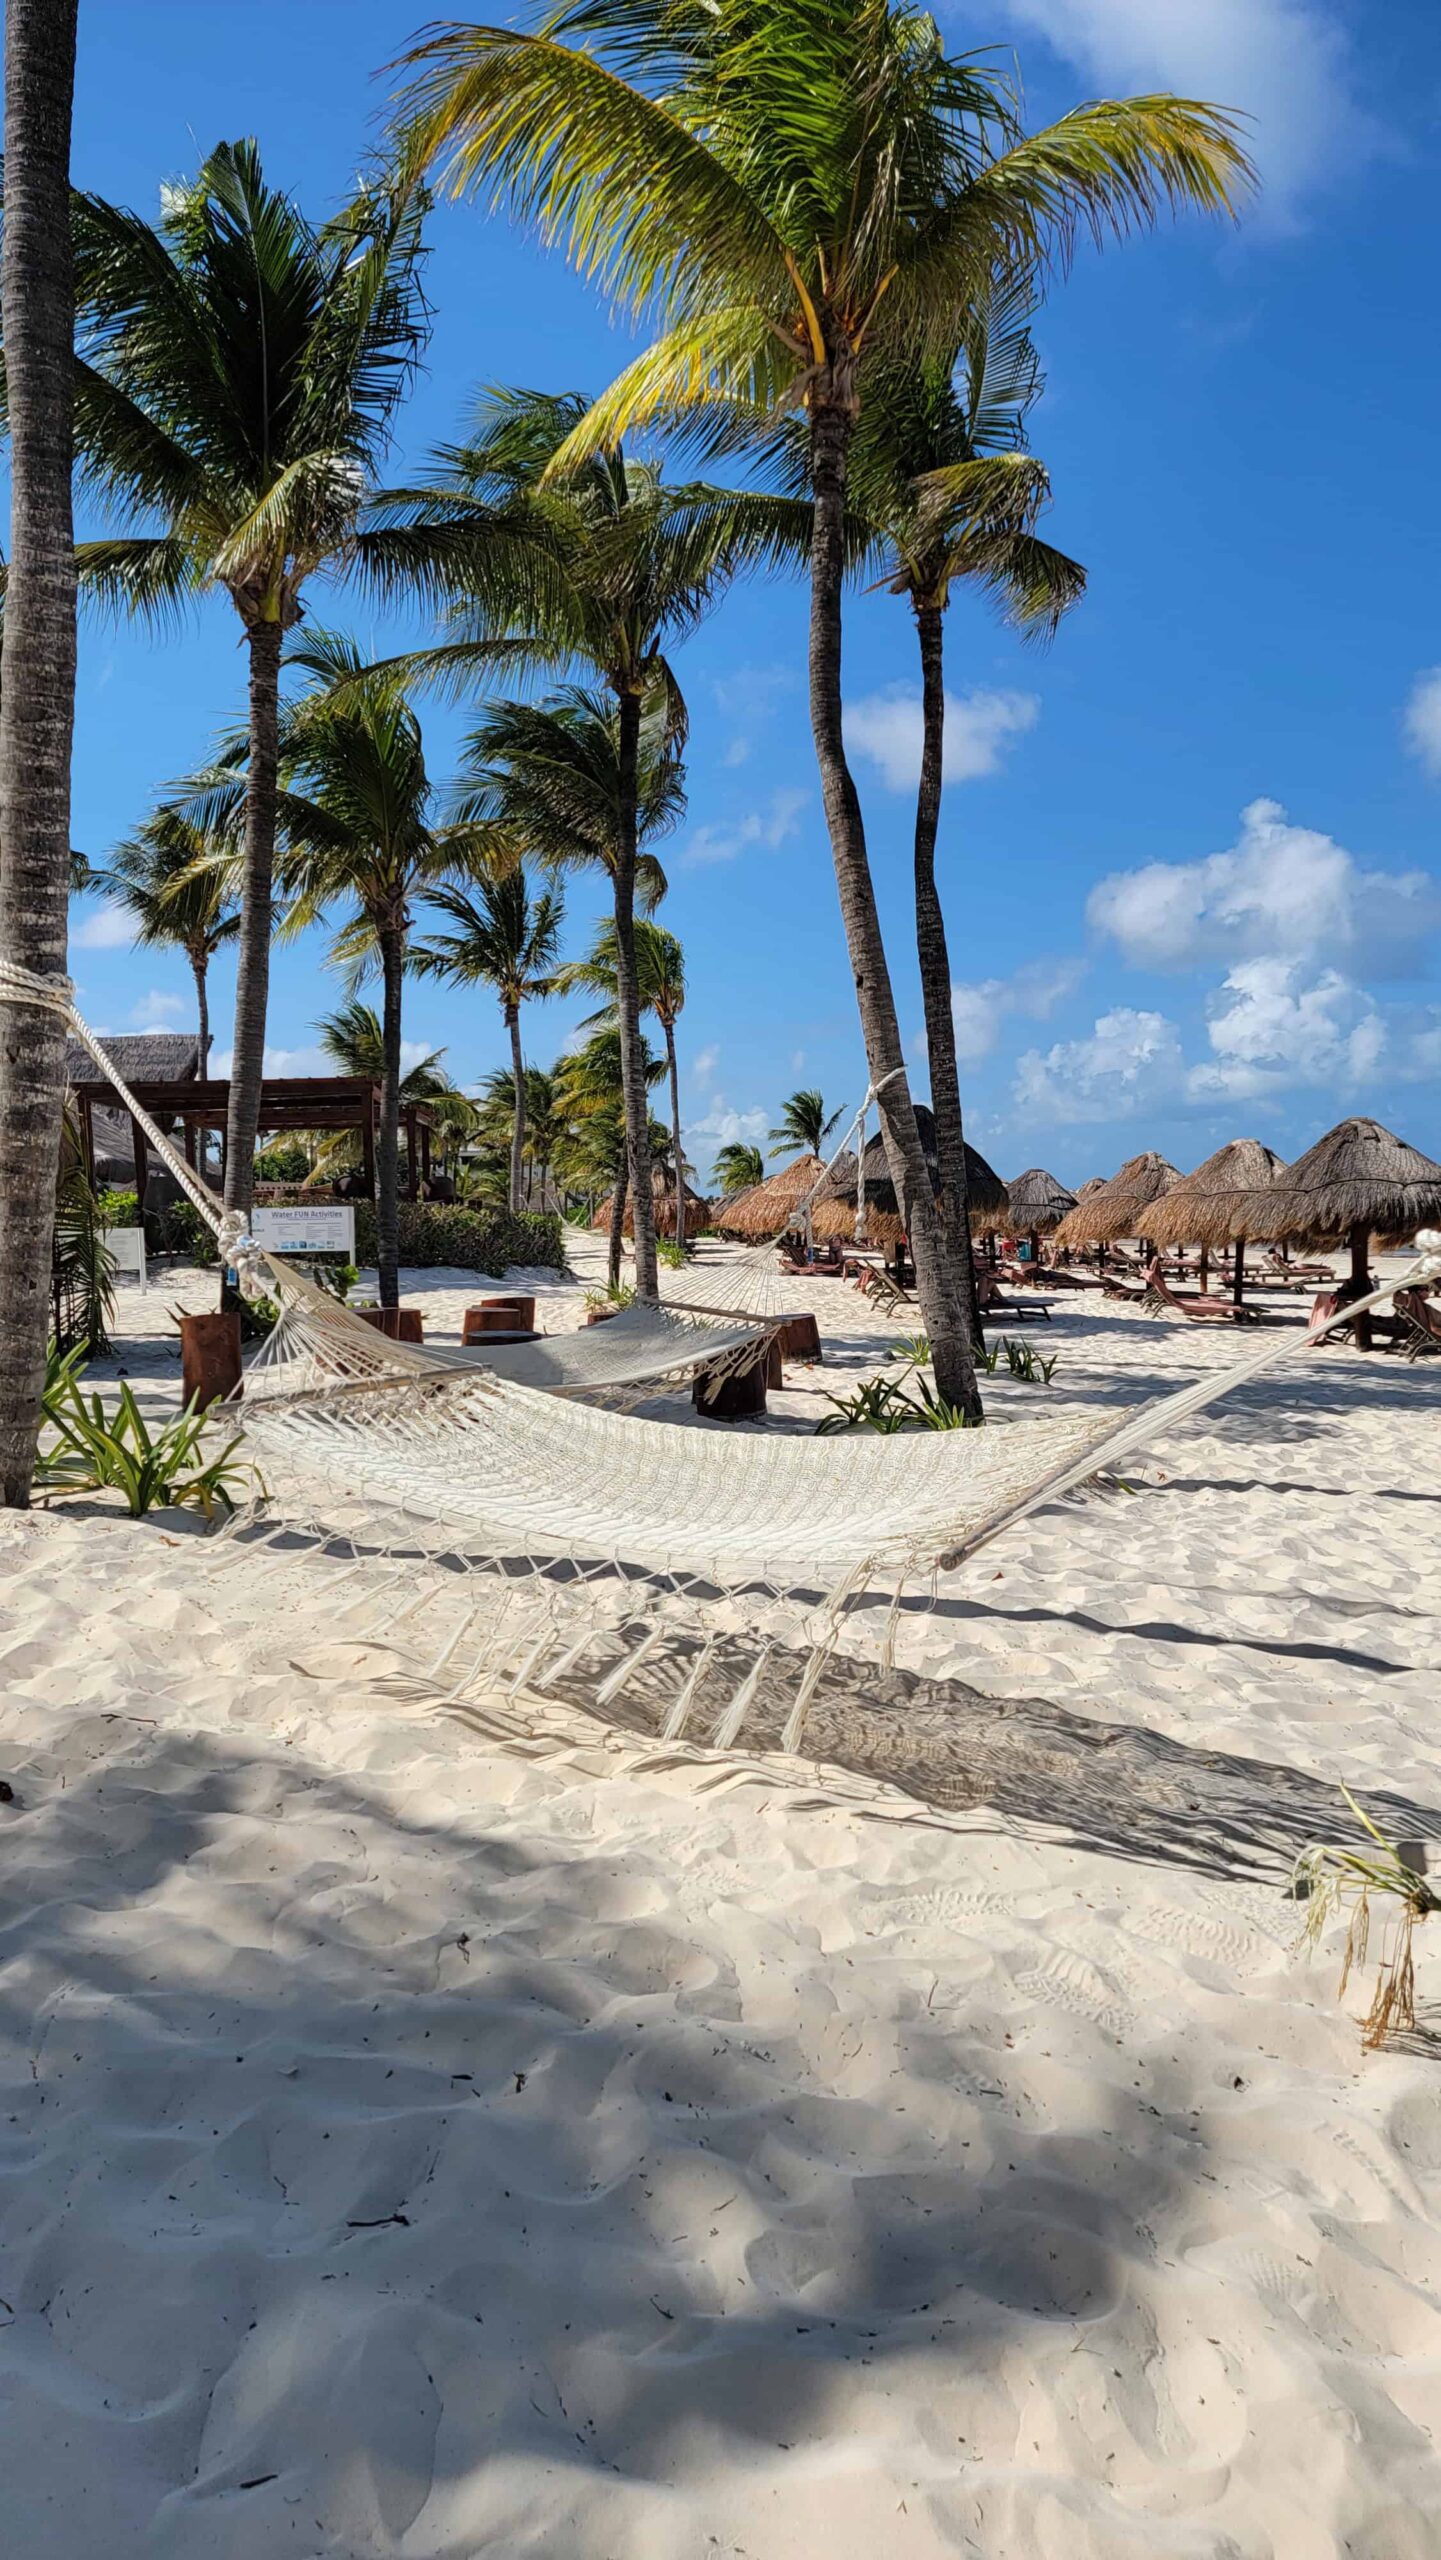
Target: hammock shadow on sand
pixel 1124 1791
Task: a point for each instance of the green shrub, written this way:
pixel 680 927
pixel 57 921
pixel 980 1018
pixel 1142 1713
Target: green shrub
pixel 117 1208
pixel 287 1162
pixel 434 1234
pixel 882 1404
pixel 94 1450
pixel 180 1228
pixel 674 1256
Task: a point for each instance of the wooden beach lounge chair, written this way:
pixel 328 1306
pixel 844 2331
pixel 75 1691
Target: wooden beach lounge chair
pixel 1418 1324
pixel 1196 1310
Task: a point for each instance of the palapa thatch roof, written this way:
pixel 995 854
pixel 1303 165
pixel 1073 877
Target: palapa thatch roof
pixel 1038 1202
pixel 697 1209
pixel 1227 1200
pixel 1359 1176
pixel 763 1210
pixel 726 1201
pixel 834 1214
pixel 1118 1208
pixel 143 1057
pixel 1096 1182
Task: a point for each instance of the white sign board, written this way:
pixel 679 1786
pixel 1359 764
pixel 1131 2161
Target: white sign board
pixel 126 1248
pixel 328 1227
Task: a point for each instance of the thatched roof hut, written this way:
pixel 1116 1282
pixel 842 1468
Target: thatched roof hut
pixel 835 1211
pixel 1227 1200
pixel 1117 1208
pixel 729 1201
pixel 765 1209
pixel 697 1209
pixel 1038 1202
pixel 1355 1183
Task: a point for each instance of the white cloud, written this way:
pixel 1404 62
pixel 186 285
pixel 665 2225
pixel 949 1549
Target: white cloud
pixel 886 727
pixel 723 1126
pixel 748 696
pixel 158 1011
pixel 1130 1059
pixel 105 928
pixel 1421 720
pixel 300 1062
pixel 704 1064
pixel 979 1009
pixel 1283 63
pixel 771 826
pixel 1281 891
pixel 1270 1031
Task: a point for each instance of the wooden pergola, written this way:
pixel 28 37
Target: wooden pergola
pixel 286 1102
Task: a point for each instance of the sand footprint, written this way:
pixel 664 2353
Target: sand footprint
pixel 1067 1982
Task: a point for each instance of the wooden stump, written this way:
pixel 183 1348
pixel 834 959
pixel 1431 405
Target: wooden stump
pixel 498 1315
pixel 740 1394
pixel 799 1339
pixel 209 1358
pixel 402 1324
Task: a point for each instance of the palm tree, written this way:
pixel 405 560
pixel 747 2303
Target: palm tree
pixel 505 939
pixel 940 476
pixel 38 706
pixel 590 1089
pixel 551 781
pixel 806 198
pixel 543 1119
pixel 354 1038
pixel 660 978
pixel 804 1123
pixel 634 564
pixel 354 805
pixel 240 368
pixel 739 1168
pixel 167 876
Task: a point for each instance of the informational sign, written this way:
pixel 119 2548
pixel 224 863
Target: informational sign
pixel 126 1247
pixel 327 1227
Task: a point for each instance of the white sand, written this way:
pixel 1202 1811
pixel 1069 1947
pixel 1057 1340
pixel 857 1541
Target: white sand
pixel 429 2141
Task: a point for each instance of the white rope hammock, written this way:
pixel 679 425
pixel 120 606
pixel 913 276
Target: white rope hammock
pixel 399 1466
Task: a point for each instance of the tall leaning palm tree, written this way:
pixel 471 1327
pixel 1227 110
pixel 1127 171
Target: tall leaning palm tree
pixel 632 564
pixel 660 980
pixel 802 198
pixel 37 712
pixel 590 1092
pixel 941 478
pixel 355 810
pixel 804 1123
pixel 504 938
pixel 178 895
pixel 239 368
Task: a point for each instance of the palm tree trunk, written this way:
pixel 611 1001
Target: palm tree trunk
pixel 935 965
pixel 937 1282
pixel 627 993
pixel 674 1067
pixel 617 1221
pixel 387 1154
pixel 252 977
pixel 200 971
pixel 37 294
pixel 517 1123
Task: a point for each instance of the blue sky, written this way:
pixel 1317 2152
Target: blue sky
pixel 1190 853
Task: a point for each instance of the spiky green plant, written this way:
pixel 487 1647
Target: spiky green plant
pixel 1338 1883
pixel 94 1451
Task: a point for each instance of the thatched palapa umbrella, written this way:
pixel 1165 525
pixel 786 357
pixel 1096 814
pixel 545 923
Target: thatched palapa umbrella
pixel 1225 1202
pixel 834 1213
pixel 697 1209
pixel 766 1209
pixel 1357 1182
pixel 1110 1210
pixel 1038 1203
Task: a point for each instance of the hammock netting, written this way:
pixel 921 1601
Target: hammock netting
pixel 521 1541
